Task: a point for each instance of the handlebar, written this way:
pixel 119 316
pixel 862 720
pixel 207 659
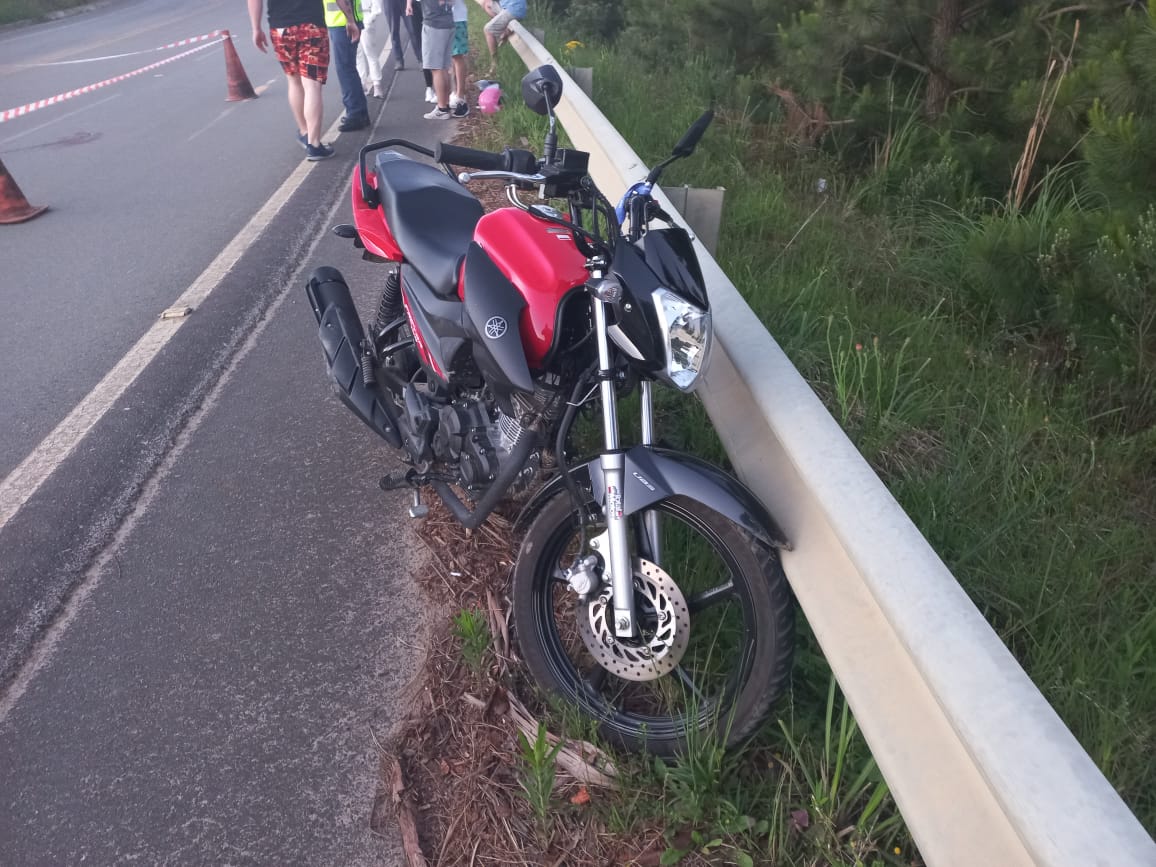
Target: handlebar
pixel 471 157
pixel 509 160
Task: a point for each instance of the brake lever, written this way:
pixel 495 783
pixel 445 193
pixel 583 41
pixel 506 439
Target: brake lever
pixel 466 177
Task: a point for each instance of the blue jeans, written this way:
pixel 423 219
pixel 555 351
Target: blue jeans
pixel 344 55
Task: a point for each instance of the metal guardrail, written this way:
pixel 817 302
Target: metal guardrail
pixel 983 770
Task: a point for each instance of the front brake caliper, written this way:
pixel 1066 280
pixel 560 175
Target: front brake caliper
pixel 583 576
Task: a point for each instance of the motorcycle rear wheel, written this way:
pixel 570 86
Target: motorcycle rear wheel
pixel 739 642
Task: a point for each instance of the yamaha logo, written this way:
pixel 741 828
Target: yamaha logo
pixel 495 327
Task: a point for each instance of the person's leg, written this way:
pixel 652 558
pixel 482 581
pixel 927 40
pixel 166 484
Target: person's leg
pixel 417 30
pixel 495 31
pixel 311 70
pixel 344 55
pixel 297 103
pixel 311 109
pixel 394 13
pixel 459 70
pixel 492 44
pixel 441 86
pixel 369 55
pixel 290 45
pixel 418 22
pixel 460 51
pixel 363 64
pixel 436 57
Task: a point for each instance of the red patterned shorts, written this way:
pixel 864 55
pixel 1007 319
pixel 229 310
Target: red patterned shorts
pixel 303 50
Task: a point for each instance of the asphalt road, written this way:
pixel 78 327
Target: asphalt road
pixel 207 619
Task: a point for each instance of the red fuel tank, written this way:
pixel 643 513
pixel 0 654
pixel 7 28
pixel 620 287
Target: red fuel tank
pixel 540 259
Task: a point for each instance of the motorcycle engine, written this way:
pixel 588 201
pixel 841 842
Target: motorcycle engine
pixel 478 438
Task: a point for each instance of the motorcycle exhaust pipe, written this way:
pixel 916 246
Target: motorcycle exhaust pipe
pixel 513 465
pixel 342 337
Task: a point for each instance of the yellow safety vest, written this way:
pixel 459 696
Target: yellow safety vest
pixel 334 17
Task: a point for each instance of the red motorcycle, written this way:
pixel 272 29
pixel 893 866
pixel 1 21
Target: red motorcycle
pixel 647 591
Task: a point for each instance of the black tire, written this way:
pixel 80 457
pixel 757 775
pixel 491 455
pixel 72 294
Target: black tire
pixel 738 661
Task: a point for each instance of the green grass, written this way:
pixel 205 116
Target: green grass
pixel 537 777
pixel 12 11
pixel 473 635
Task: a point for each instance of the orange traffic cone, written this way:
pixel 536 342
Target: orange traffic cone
pixel 14 208
pixel 239 86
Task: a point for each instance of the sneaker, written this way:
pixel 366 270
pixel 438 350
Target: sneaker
pixel 352 124
pixel 378 93
pixel 430 96
pixel 454 100
pixel 462 109
pixel 320 152
pixel 303 139
pixel 438 113
pixel 399 65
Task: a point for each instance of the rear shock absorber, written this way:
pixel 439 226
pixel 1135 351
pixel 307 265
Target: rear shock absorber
pixel 389 307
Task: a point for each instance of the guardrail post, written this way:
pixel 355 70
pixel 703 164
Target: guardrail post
pixel 701 207
pixel 584 75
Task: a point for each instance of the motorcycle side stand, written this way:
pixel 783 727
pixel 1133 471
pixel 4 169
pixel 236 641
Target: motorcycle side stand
pixel 418 509
pixel 410 479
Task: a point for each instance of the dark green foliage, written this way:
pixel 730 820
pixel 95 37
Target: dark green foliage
pixel 593 19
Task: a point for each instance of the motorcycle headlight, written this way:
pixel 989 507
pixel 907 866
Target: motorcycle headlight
pixel 686 330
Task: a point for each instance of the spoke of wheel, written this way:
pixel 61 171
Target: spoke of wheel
pixel 689 683
pixel 615 699
pixel 596 679
pixel 707 598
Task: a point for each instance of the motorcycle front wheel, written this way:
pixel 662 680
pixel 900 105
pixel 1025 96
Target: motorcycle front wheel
pixel 717 628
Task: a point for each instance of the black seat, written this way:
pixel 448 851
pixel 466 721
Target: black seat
pixel 431 216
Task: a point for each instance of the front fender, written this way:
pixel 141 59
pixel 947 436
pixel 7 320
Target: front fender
pixel 654 474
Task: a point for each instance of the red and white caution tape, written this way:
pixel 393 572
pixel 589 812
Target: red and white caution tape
pixel 20 111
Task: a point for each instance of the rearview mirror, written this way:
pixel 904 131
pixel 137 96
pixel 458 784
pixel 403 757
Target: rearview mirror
pixel 541 89
pixel 689 142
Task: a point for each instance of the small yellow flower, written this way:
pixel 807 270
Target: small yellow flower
pixel 574 43
pixel 898 851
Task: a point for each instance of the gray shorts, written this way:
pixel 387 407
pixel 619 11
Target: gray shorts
pixel 436 46
pixel 498 24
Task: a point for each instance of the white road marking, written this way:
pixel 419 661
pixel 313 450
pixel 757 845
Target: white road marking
pixel 19 486
pixel 225 112
pixel 46 646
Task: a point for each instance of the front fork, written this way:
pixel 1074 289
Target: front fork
pixel 613 463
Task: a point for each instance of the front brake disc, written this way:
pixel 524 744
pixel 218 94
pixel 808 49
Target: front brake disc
pixel 664 627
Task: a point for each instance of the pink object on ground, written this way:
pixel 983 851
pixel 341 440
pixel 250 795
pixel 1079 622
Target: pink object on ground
pixel 488 99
